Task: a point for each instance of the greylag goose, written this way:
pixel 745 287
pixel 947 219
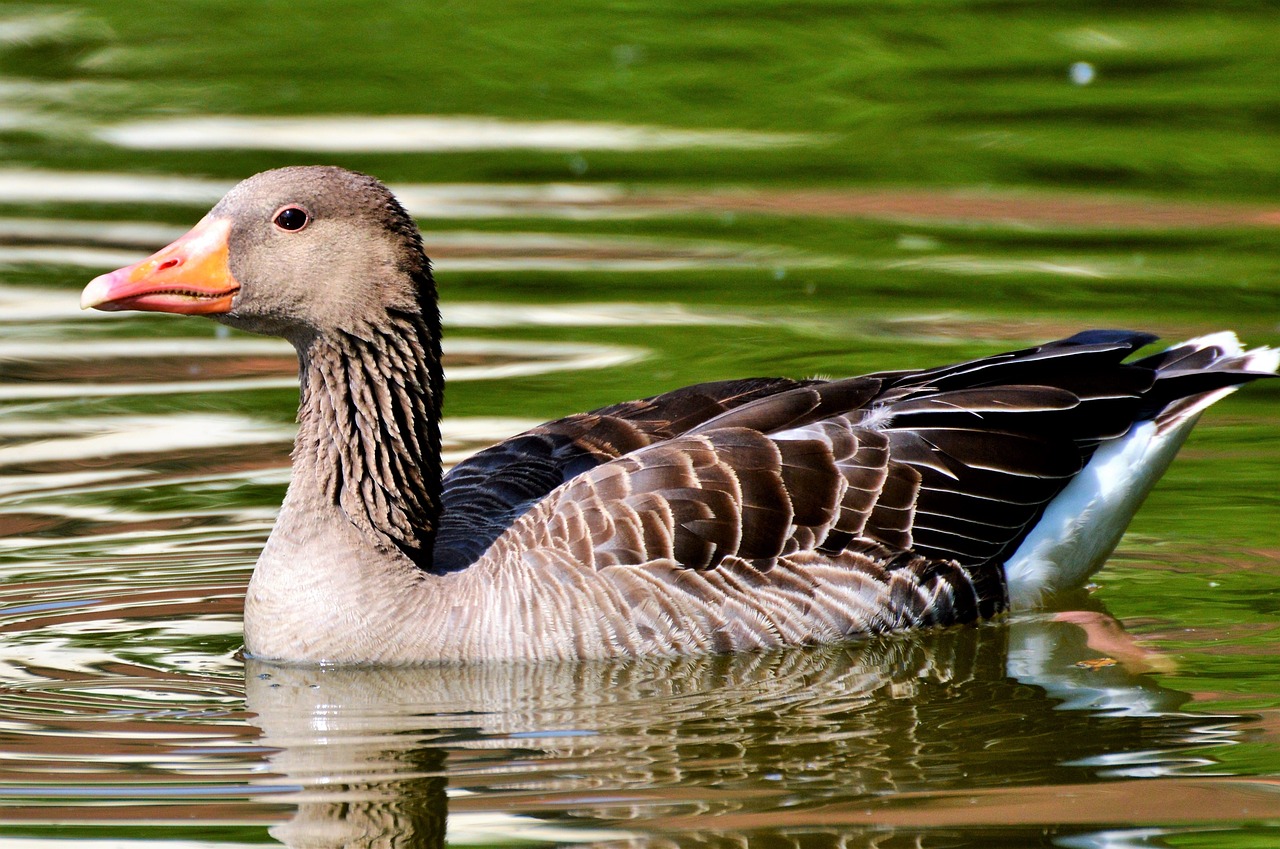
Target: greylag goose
pixel 723 516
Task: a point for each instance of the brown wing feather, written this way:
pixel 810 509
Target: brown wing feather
pixel 713 537
pixel 485 493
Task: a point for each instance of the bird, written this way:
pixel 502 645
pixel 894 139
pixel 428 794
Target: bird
pixel 732 515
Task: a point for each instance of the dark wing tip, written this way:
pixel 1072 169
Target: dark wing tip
pixel 1132 339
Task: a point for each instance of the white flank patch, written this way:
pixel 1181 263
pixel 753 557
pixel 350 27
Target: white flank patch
pixel 1082 526
pixel 418 134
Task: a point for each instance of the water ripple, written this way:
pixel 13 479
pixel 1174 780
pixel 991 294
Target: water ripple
pixel 419 133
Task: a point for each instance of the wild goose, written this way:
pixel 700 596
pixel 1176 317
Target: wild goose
pixel 719 517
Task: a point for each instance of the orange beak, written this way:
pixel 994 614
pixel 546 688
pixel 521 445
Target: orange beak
pixel 190 276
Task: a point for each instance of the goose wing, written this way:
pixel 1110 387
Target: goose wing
pixel 954 463
pixel 817 510
pixel 485 493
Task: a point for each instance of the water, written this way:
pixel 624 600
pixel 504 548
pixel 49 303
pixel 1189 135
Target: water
pixel 621 200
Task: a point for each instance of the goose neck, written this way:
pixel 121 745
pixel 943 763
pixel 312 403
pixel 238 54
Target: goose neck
pixel 369 435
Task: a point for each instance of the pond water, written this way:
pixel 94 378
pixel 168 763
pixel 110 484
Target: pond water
pixel 620 199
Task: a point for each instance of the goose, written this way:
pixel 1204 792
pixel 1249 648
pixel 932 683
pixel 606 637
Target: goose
pixel 724 516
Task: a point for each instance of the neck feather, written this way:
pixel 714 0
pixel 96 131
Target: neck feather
pixel 369 429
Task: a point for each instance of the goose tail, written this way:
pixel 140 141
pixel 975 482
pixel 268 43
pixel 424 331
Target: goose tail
pixel 1083 524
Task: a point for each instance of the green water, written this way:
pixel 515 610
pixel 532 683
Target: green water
pixel 689 192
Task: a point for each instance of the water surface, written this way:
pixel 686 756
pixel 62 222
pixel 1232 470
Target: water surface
pixel 620 200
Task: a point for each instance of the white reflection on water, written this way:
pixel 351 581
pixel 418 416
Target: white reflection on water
pixel 52 391
pixel 90 438
pixel 95 438
pixel 32 26
pixel 488 828
pixel 582 315
pixel 515 359
pixel 419 133
pixel 143 347
pixel 440 200
pixel 636 264
pixel 971 265
pixel 38 186
pixel 114 436
pixel 141 234
pixel 63 255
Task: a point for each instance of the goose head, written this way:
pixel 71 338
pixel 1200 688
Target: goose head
pixel 299 252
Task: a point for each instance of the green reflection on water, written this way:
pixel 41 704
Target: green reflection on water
pixel 1183 100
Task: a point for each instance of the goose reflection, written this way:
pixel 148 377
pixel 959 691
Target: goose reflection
pixel 595 751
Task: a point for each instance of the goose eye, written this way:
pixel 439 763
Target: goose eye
pixel 291 218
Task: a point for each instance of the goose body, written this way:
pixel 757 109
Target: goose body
pixel 718 517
